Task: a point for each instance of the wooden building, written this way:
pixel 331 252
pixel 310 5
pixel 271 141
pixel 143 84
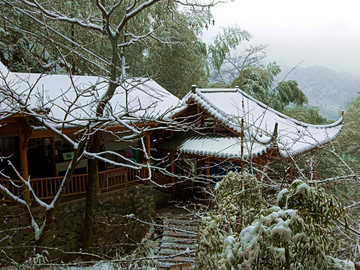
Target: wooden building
pixel 67 105
pixel 229 128
pixel 236 130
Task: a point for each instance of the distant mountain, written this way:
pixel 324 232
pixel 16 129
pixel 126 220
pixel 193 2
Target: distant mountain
pixel 329 90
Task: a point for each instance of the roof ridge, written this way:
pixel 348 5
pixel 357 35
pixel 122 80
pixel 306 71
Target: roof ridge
pixel 280 114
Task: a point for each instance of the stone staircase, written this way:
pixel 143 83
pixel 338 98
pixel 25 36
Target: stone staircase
pixel 175 235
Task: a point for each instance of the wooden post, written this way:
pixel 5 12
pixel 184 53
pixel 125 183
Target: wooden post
pixel 54 155
pixel 291 176
pixel 23 149
pixel 172 168
pixel 93 166
pixel 313 165
pixel 148 144
pixel 148 149
pixel 207 165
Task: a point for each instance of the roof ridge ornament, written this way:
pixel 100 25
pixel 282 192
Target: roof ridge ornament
pixel 276 131
pixel 193 88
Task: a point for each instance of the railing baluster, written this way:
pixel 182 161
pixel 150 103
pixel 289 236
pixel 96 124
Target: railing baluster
pixel 118 177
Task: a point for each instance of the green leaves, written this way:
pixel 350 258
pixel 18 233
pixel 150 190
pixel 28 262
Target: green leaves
pixel 242 233
pixel 306 114
pixel 258 82
pixel 237 203
pixel 228 39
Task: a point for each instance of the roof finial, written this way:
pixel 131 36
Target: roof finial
pixel 193 88
pixel 236 86
pixel 276 131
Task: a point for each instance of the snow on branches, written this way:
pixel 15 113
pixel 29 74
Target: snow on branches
pixel 242 233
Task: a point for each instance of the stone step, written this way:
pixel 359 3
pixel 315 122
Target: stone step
pixel 180 221
pixel 187 227
pixel 168 251
pixel 179 234
pixel 179 228
pixel 178 266
pixel 178 246
pixel 183 241
pixel 174 260
pixel 176 235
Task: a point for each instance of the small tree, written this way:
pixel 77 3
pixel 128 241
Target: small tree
pixel 297 234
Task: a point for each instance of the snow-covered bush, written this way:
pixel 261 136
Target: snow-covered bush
pixel 282 239
pixel 237 203
pixel 237 200
pixel 296 234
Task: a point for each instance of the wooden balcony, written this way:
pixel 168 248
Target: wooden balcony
pixel 46 188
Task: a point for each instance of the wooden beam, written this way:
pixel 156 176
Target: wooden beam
pixel 207 165
pixel 24 170
pixel 291 174
pixel 148 143
pixel 53 155
pixel 172 168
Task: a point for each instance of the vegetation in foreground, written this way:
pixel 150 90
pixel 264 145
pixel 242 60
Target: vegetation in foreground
pixel 244 232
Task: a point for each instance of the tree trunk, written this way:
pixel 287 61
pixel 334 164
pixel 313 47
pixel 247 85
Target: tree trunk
pixel 93 170
pixel 95 148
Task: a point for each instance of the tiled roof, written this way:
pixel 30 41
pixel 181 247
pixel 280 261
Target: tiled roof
pixel 215 146
pixel 229 106
pixel 136 98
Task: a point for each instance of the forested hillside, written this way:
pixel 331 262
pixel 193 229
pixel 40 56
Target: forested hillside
pixel 329 90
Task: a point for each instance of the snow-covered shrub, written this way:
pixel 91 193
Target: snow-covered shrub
pixel 280 239
pixel 293 235
pixel 237 202
pixel 313 204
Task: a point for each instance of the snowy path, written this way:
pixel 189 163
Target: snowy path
pixel 176 235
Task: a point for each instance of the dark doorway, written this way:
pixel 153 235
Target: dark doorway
pixel 9 150
pixel 41 158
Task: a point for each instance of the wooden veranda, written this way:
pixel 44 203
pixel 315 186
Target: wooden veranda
pixel 118 178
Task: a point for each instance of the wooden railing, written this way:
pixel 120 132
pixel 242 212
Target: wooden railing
pixel 120 177
pixel 14 186
pixel 46 188
pixel 162 179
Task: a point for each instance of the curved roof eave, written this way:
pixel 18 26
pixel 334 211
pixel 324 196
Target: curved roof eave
pixel 228 120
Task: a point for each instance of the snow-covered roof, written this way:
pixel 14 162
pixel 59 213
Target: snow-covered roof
pixel 215 146
pixel 262 124
pixel 136 98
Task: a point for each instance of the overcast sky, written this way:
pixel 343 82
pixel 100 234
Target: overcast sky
pixel 318 32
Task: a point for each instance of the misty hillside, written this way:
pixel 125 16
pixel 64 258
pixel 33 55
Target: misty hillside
pixel 329 90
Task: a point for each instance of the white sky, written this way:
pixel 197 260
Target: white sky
pixel 318 32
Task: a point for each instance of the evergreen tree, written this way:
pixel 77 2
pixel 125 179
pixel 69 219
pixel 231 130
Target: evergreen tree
pixel 259 83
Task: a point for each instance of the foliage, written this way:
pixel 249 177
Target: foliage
pixel 16 49
pixel 306 114
pixel 294 235
pixel 228 39
pixel 236 61
pixel 314 205
pixel 258 82
pixel 166 45
pixel 347 142
pixel 237 202
pixel 176 65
